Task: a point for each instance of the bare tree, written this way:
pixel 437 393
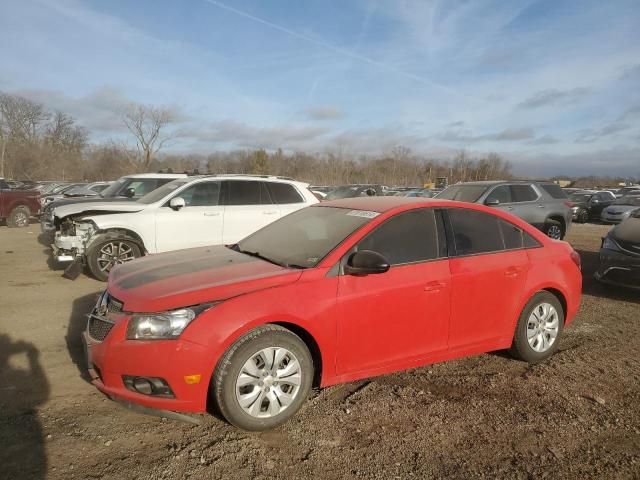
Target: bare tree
pixel 149 125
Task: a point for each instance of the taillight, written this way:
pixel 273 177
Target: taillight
pixel 575 256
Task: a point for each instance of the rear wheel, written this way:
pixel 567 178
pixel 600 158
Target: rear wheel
pixel 553 229
pixel 263 378
pixel 583 216
pixel 539 328
pixel 19 217
pixel 108 251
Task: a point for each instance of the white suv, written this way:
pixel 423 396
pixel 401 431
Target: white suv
pixel 189 212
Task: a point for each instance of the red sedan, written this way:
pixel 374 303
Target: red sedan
pixel 332 293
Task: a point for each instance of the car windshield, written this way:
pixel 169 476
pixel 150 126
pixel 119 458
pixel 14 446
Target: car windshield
pixel 59 188
pixel 580 197
pixel 159 193
pixel 463 193
pixel 114 188
pixel 633 200
pixel 303 238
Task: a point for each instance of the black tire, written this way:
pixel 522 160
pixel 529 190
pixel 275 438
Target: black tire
pixel 223 383
pixel 582 216
pixel 96 257
pixel 520 347
pixel 553 229
pixel 19 217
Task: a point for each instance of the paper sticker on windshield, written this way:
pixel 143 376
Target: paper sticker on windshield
pixel 363 213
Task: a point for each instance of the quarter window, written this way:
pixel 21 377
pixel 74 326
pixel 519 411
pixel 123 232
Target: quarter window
pixel 247 192
pixel 474 232
pixel 511 235
pixel 283 193
pixel 406 238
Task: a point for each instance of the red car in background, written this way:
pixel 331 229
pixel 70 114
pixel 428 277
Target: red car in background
pixel 18 206
pixel 332 293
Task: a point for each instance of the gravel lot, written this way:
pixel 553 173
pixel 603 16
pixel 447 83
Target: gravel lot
pixel 576 416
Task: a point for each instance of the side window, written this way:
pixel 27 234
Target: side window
pixel 406 238
pixel 143 186
pixel 523 193
pixel 203 194
pixel 511 235
pixel 502 193
pixel 474 232
pixel 246 192
pixel 284 193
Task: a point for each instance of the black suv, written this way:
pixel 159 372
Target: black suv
pixel 542 204
pixel 588 204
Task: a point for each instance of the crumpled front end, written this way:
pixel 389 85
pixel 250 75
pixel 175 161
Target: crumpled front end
pixel 71 240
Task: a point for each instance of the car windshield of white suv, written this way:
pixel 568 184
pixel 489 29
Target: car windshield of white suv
pixel 633 200
pixel 159 193
pixel 303 238
pixel 463 193
pixel 112 189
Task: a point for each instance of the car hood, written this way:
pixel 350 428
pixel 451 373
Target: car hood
pixel 628 231
pixel 97 199
pixel 189 277
pixel 88 208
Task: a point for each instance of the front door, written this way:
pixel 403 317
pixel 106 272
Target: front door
pixel 403 313
pixel 198 224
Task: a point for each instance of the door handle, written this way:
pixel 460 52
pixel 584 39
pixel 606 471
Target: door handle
pixel 269 212
pixel 512 271
pixel 434 286
pixel 211 214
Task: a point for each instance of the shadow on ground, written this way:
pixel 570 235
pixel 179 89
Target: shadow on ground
pixel 77 324
pixel 23 388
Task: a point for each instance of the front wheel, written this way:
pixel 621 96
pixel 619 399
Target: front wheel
pixel 105 253
pixel 263 378
pixel 539 328
pixel 583 216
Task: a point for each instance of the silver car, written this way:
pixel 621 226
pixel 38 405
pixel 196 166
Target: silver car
pixel 542 204
pixel 620 209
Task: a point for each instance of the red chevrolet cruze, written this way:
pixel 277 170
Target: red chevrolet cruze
pixel 332 293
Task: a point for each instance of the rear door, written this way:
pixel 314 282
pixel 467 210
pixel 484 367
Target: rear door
pixel 488 273
pixel 248 207
pixel 198 224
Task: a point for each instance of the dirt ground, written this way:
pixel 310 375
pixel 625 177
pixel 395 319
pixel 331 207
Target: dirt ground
pixel 576 416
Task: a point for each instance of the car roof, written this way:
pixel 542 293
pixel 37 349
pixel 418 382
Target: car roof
pixel 499 182
pixel 383 204
pixel 156 175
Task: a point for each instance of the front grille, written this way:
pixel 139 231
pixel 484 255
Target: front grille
pixel 98 328
pixel 625 277
pixel 114 305
pixel 631 247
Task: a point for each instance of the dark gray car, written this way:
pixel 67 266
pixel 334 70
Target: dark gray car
pixel 542 204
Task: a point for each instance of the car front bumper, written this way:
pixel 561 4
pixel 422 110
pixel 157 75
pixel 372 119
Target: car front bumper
pixel 612 217
pixel 617 268
pixel 172 360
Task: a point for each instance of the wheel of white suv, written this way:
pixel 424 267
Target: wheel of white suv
pixel 263 378
pixel 109 250
pixel 539 328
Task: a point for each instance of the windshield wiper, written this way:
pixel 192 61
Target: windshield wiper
pixel 258 255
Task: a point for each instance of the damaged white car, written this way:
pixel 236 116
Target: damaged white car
pixel 189 212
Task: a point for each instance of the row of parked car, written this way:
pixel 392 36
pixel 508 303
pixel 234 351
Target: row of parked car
pixel 251 298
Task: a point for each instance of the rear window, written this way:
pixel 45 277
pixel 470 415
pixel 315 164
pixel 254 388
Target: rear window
pixel 554 190
pixel 463 193
pixel 523 193
pixel 284 193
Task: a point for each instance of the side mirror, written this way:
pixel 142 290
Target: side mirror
pixel 177 203
pixel 366 262
pixel 492 202
pixel 129 193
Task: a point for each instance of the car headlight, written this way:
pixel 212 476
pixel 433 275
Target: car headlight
pixel 164 325
pixel 609 244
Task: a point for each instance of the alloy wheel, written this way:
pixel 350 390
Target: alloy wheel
pixel 268 382
pixel 554 232
pixel 114 253
pixel 21 219
pixel 542 327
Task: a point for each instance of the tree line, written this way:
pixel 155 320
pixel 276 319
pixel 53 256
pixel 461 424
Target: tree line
pixel 36 144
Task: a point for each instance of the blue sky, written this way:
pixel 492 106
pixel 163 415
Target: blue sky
pixel 553 85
